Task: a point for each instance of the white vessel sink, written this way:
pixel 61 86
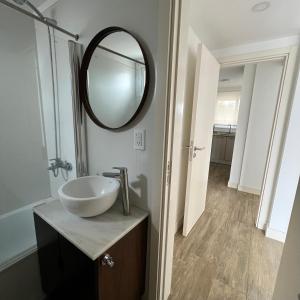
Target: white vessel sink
pixel 89 196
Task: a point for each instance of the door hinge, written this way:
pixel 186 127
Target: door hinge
pixel 168 173
pixel 191 150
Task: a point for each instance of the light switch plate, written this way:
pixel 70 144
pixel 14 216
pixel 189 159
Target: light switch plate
pixel 139 139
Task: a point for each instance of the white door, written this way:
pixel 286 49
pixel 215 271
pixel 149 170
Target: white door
pixel 204 102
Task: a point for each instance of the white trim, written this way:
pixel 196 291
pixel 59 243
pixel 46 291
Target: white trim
pixel 261 225
pixel 275 234
pixel 258 46
pixel 18 257
pixel 167 214
pixel 278 137
pixel 250 190
pixel 47 4
pixel 29 206
pixel 255 57
pixel 227 89
pixel 232 185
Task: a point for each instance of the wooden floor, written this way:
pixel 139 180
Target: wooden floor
pixel 225 256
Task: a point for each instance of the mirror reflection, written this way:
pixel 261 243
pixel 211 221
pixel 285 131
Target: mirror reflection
pixel 116 79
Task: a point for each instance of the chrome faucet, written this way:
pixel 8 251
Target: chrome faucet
pixel 57 164
pixel 122 176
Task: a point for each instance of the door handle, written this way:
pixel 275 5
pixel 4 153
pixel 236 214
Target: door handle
pixel 195 148
pixel 199 148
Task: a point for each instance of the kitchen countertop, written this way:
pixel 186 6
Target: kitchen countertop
pixel 93 236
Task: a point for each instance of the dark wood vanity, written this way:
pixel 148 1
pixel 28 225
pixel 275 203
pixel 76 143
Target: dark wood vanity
pixel 68 273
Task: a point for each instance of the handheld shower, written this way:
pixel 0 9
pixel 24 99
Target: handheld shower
pixel 31 6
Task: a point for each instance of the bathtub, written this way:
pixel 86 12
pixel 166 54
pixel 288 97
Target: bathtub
pixel 17 235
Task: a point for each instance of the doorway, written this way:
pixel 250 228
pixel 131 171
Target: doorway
pixel 222 250
pixel 178 85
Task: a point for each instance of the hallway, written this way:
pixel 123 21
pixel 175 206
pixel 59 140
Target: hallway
pixel 225 256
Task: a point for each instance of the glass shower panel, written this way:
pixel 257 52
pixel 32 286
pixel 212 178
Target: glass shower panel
pixel 24 177
pixel 32 115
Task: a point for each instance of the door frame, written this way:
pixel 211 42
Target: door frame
pixel 281 119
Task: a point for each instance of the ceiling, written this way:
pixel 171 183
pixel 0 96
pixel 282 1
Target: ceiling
pixel 226 23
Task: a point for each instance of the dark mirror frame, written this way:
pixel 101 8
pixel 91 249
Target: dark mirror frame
pixel 83 75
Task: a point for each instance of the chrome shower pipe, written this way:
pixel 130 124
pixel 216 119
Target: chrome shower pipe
pixel 38 18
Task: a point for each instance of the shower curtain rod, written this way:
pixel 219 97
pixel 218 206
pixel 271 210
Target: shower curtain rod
pixel 120 54
pixel 27 13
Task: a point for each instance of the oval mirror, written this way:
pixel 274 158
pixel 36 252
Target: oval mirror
pixel 114 78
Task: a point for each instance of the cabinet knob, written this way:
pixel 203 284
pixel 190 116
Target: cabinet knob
pixel 107 260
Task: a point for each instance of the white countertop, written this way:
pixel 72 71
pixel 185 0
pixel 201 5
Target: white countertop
pixel 93 236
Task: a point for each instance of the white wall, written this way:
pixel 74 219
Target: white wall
pixel 23 160
pixel 288 279
pixel 256 117
pixel 241 131
pixel 105 148
pixel 260 124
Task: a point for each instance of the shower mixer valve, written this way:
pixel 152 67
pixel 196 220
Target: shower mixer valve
pixel 57 163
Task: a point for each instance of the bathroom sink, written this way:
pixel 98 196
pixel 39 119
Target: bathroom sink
pixel 89 196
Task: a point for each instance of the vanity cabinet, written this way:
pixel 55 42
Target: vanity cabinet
pixel 67 273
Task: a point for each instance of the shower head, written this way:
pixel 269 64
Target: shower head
pixel 31 6
pixel 20 2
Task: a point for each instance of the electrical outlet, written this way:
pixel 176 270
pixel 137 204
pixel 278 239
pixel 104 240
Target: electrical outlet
pixel 139 139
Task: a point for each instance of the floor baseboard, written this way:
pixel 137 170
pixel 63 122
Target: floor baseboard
pixel 261 225
pixel 232 185
pixel 249 190
pixel 275 234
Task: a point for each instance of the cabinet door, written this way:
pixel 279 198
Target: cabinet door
pixel 126 279
pixel 66 273
pixel 229 149
pixel 50 261
pixel 218 149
